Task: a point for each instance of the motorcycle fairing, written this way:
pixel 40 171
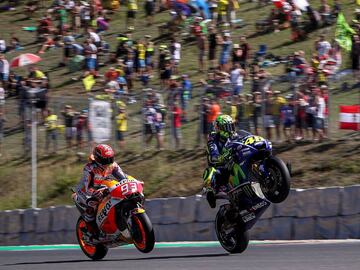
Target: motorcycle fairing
pixel 124 188
pixel 105 182
pixel 105 217
pixel 249 205
pixel 251 211
pixel 244 151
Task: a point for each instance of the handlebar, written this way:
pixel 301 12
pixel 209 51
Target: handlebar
pixel 105 192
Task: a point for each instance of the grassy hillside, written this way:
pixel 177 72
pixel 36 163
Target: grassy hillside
pixel 170 173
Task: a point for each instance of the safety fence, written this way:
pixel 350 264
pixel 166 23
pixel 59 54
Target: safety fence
pixel 317 213
pixel 18 133
pixel 16 145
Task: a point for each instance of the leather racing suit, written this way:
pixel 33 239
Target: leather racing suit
pixel 217 174
pixel 87 199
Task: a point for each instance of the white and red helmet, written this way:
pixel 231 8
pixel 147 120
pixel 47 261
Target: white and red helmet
pixel 103 154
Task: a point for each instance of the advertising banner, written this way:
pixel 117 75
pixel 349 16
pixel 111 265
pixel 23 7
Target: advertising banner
pixel 100 120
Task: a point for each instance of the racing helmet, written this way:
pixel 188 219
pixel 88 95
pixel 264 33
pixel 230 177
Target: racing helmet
pixel 103 154
pixel 224 126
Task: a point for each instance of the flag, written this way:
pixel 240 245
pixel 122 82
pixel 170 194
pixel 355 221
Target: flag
pixel 349 117
pixel 89 82
pixel 343 33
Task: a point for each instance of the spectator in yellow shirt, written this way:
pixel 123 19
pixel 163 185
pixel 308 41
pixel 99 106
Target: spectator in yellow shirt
pixel 232 109
pixel 51 130
pixel 132 8
pixel 223 6
pixel 248 112
pixel 36 73
pixel 141 49
pixel 121 121
pixel 278 102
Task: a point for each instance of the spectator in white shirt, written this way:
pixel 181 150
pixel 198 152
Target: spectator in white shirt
pixel 323 47
pixel 2 96
pixel 95 37
pixel 176 54
pixel 4 68
pixel 69 5
pixel 149 116
pixel 2 46
pixel 90 52
pixel 85 15
pixel 237 79
pixel 320 115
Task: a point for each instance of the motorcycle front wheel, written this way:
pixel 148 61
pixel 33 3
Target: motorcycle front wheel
pixel 94 252
pixel 276 186
pixel 231 237
pixel 142 232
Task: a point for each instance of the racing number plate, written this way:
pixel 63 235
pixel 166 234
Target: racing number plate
pixel 128 188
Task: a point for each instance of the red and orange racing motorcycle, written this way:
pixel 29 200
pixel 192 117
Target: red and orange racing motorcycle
pixel 121 219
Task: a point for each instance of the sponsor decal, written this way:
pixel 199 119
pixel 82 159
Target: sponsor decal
pixel 123 181
pixel 93 203
pixel 248 217
pixel 243 212
pixel 259 205
pixel 248 190
pixel 100 118
pixel 104 212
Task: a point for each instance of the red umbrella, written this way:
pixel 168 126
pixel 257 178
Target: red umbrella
pixel 278 3
pixel 25 59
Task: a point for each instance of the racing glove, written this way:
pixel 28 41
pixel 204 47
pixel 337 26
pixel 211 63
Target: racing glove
pixel 97 193
pixel 226 156
pixel 208 176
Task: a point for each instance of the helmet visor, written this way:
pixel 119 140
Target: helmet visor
pixel 229 127
pixel 106 161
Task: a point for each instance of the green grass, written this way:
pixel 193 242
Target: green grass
pixel 167 173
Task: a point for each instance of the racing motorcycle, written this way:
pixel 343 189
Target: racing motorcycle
pixel 257 179
pixel 121 219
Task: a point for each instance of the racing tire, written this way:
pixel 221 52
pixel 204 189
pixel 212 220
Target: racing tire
pixel 237 242
pixel 277 188
pixel 94 252
pixel 142 233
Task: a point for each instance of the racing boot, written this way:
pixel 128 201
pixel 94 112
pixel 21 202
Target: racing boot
pixel 93 230
pixel 209 179
pixel 210 197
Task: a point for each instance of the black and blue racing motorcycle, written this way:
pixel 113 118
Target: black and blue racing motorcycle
pixel 257 179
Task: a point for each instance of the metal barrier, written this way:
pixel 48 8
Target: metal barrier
pixel 320 213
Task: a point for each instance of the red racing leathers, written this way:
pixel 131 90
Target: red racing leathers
pixel 89 191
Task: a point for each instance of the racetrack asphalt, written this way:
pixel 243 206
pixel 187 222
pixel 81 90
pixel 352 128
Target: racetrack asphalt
pixel 265 256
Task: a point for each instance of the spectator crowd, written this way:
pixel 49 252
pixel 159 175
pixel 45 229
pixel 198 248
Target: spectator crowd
pixel 226 63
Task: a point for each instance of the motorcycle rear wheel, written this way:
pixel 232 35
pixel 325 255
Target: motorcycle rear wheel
pixel 143 233
pixel 277 187
pixel 237 242
pixel 96 252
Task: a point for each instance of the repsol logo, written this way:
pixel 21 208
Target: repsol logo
pixel 104 212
